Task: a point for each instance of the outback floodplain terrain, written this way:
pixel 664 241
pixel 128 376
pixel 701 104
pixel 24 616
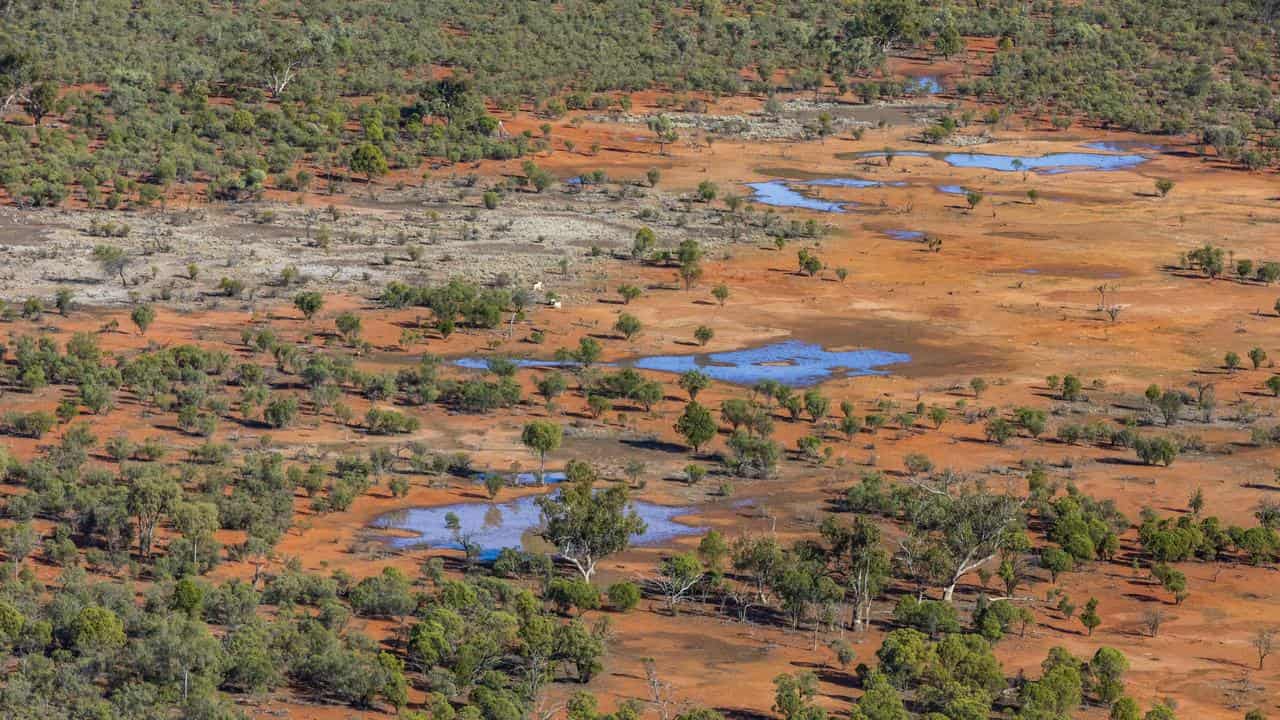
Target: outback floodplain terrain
pixel 887 360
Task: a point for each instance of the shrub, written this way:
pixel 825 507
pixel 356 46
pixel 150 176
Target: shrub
pixel 568 593
pixel 928 616
pixel 32 424
pixel 389 422
pixel 624 596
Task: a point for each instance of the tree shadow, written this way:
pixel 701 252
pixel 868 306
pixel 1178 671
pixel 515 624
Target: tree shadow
pixel 1229 662
pixel 828 674
pixel 743 714
pixel 655 444
pixel 1122 461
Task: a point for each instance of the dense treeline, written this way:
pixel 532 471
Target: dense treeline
pixel 244 95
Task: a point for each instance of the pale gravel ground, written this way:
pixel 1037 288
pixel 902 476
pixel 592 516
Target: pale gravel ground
pixel 522 241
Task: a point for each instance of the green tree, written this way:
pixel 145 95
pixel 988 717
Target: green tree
pixel 367 160
pixel 142 317
pixel 794 695
pixel 1257 356
pixel 707 191
pixel 694 382
pixel 97 630
pixel 587 526
pixel 112 260
pixel 1089 615
pixel 628 326
pixel 624 596
pixel 349 326
pixel 281 411
pixel 664 131
pixel 1106 673
pixel 542 437
pixel 64 301
pixel 643 243
pixel 197 521
pixel 696 425
pixel 1125 708
pixel 880 700
pixel 308 303
pixel 678 576
pixel 42 100
pixel 551 386
pixel 999 430
pixel 152 496
pixel 1056 561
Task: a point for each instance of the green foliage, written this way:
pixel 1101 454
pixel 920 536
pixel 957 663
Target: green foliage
pixel 542 437
pixel 628 326
pixel 587 527
pixel 623 596
pixel 696 425
pixel 794 696
pixel 929 616
pixel 1156 450
pixel 308 303
pixel 142 317
pixel 568 594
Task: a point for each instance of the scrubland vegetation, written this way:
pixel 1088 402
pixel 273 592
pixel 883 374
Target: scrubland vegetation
pixel 193 489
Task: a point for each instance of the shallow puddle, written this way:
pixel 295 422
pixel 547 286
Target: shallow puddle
pixel 926 85
pixel 783 193
pixel 1050 164
pixel 792 362
pixel 779 194
pixel 513 524
pixel 904 234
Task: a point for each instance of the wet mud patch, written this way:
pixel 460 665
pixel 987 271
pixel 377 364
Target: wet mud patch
pixel 934 352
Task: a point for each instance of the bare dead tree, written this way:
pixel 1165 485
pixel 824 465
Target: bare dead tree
pixel 1264 642
pixel 1152 619
pixel 659 689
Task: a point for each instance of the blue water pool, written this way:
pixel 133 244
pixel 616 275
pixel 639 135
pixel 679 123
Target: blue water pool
pixel 926 85
pixel 1052 163
pixel 526 478
pixel 904 234
pixel 952 189
pixel 482 363
pixel 791 362
pixel 842 182
pixel 512 524
pixel 780 194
